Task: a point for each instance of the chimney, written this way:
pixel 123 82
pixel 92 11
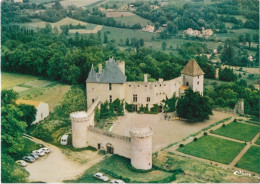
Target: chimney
pixel 99 67
pixel 160 79
pixel 121 65
pixel 145 77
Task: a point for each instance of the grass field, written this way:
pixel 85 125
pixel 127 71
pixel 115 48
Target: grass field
pixel 119 167
pixel 250 161
pixel 131 20
pixel 213 148
pixel 34 88
pixel 240 131
pixel 194 169
pixel 9 80
pixel 78 3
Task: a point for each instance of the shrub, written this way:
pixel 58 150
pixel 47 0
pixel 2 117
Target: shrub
pixel 223 125
pixel 129 107
pixel 205 133
pixel 181 145
pixel 195 139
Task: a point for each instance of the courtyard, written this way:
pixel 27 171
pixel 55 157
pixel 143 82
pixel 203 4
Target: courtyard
pixel 165 132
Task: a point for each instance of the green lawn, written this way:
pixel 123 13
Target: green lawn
pixel 213 148
pixel 250 161
pixel 240 131
pixel 118 167
pixel 257 141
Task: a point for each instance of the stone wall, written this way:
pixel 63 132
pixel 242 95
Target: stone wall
pixel 120 144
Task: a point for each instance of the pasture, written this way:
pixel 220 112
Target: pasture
pixel 239 131
pixel 251 159
pixel 78 3
pixel 86 31
pixel 119 14
pixel 133 19
pixel 213 148
pixel 119 167
pixel 35 88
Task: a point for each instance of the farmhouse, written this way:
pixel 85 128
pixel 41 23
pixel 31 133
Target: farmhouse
pixel 110 83
pixel 41 107
pixel 149 28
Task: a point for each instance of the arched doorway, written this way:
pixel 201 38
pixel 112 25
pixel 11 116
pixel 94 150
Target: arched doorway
pixel 110 148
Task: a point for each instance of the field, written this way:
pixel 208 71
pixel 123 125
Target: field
pixel 240 131
pixel 213 148
pixel 134 19
pixel 257 141
pixel 193 170
pixel 250 161
pixel 78 3
pixel 119 167
pixel 66 21
pixel 34 88
pixel 119 14
pixel 86 31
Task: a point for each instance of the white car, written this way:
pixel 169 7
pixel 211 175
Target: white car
pixel 117 181
pixel 21 163
pixel 100 176
pixel 45 150
pixel 39 152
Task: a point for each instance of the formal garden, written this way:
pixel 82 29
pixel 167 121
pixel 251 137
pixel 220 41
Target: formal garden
pixel 239 131
pixel 213 148
pixel 250 161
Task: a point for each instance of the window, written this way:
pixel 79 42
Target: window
pixel 129 85
pixel 160 85
pixel 138 86
pixel 198 82
pixel 135 98
pixel 93 100
pixel 110 99
pixel 135 107
pixel 110 86
pixel 155 86
pixel 187 83
pixel 148 99
pixel 115 109
pixel 198 77
pixel 145 85
pixel 93 89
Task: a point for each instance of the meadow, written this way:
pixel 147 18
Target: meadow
pixel 119 167
pixel 213 148
pixel 240 131
pixel 35 88
pixel 257 141
pixel 134 19
pixel 251 159
pixel 78 3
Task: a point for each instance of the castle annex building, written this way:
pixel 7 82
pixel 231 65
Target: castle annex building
pixel 110 83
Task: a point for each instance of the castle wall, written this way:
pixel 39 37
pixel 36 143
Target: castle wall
pixel 157 91
pixel 121 144
pixel 101 90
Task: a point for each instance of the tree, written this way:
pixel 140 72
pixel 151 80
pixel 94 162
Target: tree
pixel 8 97
pixel 105 37
pixel 193 107
pixel 227 75
pixel 164 45
pixel 248 39
pixel 169 104
pixel 29 113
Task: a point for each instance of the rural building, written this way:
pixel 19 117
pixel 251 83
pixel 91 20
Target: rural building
pixel 41 107
pixel 18 1
pixel 149 28
pixel 110 83
pixel 204 33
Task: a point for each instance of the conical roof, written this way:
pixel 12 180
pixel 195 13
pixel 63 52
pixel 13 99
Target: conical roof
pixel 192 69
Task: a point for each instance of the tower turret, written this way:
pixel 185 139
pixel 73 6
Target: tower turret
pixel 79 122
pixel 141 148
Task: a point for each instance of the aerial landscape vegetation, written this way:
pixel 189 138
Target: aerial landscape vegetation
pixel 50 49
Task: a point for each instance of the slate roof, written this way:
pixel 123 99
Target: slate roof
pixel 111 74
pixel 192 69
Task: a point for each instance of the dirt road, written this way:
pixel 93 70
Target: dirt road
pixel 56 167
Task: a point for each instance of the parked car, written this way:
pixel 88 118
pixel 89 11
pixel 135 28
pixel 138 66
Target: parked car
pixel 117 181
pixel 100 176
pixel 39 152
pixel 21 163
pixel 34 155
pixel 45 150
pixel 29 159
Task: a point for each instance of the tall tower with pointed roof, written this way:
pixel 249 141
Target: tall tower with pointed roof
pixel 193 76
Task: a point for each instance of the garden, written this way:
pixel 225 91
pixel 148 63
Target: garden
pixel 240 131
pixel 250 161
pixel 213 148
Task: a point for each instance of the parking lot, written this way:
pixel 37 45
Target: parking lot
pixel 55 166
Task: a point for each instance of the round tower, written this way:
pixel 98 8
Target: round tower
pixel 79 123
pixel 141 148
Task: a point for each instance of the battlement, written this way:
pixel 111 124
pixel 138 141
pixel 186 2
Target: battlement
pixel 141 132
pixel 79 116
pixel 109 134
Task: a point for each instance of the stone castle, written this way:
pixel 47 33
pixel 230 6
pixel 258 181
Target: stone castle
pixel 109 84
